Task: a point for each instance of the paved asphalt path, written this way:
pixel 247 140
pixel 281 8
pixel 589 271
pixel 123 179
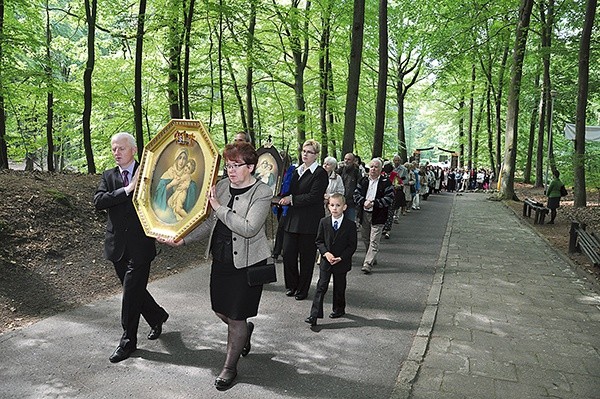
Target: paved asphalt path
pixel 357 356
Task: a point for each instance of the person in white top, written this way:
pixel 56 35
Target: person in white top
pixel 336 184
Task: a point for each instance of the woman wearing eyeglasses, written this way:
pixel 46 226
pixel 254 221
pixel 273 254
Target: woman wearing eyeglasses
pixel 238 240
pixel 305 201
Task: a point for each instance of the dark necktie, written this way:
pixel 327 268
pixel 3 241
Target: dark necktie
pixel 125 178
pixel 335 225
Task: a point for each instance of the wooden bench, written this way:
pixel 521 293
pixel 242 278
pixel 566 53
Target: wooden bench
pixel 581 240
pixel 540 210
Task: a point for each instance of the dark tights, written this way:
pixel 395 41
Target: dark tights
pixel 237 332
pixel 552 214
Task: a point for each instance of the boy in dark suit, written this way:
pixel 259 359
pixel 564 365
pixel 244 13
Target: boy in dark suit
pixel 336 241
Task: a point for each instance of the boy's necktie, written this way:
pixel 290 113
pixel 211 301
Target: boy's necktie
pixel 335 225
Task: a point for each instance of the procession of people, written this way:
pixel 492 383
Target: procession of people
pixel 322 211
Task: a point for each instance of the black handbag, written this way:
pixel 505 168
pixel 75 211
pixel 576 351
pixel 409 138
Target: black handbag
pixel 563 191
pixel 262 273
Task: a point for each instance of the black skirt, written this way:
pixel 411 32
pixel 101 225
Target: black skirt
pixel 230 294
pixel 554 203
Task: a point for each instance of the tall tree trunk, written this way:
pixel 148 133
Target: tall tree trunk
pixel 250 72
pixel 582 96
pixel 298 38
pixel 353 76
pixel 381 82
pixel 324 78
pixel 238 97
pixel 402 150
pixel 90 13
pixel 137 80
pixel 174 65
pixel 531 141
pixel 404 68
pixel 331 115
pixel 49 94
pixel 461 130
pixel 188 18
pixel 539 167
pixel 490 129
pixel 211 71
pixel 547 18
pixel 498 108
pixel 477 130
pixel 512 112
pixel 3 148
pixel 300 60
pixel 470 152
pixel 220 64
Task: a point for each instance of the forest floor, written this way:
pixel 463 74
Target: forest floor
pixel 558 233
pixel 52 238
pixel 52 241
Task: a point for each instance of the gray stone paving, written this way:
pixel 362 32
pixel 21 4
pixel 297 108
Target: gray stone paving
pixel 514 319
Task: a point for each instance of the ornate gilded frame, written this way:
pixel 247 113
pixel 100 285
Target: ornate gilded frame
pixel 178 167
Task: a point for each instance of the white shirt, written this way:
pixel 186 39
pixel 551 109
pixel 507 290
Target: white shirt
pixel 371 192
pixel 333 220
pixel 312 168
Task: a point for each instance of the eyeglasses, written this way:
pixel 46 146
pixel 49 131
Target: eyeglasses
pixel 308 152
pixel 235 166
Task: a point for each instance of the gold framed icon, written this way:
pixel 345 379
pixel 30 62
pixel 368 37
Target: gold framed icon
pixel 178 167
pixel 269 168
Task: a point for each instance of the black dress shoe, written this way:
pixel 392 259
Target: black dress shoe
pixel 157 329
pixel 248 345
pixel 121 354
pixel 290 292
pixel 223 384
pixel 300 297
pixel 311 320
pixel 335 315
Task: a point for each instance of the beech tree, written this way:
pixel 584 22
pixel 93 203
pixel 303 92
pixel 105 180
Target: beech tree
pixel 353 76
pixel 582 97
pixel 381 82
pixel 512 112
pixel 90 13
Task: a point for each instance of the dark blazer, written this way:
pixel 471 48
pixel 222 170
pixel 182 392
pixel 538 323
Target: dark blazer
pixel 383 199
pixel 123 230
pixel 307 201
pixel 340 243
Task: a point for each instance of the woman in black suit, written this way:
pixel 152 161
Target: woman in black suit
pixel 305 202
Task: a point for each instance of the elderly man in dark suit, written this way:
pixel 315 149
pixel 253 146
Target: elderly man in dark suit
pixel 128 247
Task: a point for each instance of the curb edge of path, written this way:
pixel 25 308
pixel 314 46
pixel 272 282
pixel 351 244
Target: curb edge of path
pixel 409 369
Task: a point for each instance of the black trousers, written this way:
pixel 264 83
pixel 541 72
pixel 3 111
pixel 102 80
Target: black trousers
pixel 278 248
pixel 339 293
pixel 300 247
pixel 136 300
